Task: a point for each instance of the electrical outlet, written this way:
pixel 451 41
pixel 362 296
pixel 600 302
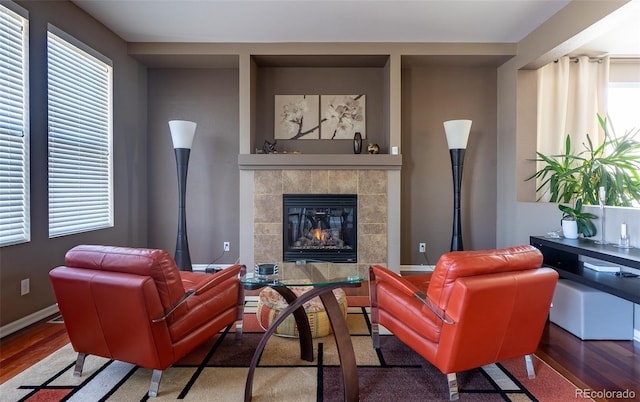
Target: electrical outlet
pixel 422 247
pixel 24 287
pixel 227 246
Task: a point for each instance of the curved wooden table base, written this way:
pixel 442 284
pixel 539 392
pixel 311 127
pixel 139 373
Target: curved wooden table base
pixel 302 322
pixel 339 328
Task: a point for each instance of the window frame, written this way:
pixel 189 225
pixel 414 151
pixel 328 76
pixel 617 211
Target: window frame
pixel 80 136
pixel 15 227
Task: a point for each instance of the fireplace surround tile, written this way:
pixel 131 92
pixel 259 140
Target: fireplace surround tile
pixel 371 228
pixel 267 182
pixel 342 182
pixel 268 228
pixel 372 247
pixel 372 182
pixel 320 181
pixel 267 208
pixel 299 182
pixel 372 208
pixel 369 185
pixel 267 248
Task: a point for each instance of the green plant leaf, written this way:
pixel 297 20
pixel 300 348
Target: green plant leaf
pixel 587 228
pixel 573 175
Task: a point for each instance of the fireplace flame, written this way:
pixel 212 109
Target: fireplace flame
pixel 318 234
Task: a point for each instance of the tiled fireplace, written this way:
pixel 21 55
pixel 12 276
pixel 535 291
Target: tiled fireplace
pixel 261 194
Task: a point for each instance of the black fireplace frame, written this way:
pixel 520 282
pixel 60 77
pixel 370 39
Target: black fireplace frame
pixel 320 201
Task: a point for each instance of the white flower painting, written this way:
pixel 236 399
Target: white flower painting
pixel 342 116
pixel 296 117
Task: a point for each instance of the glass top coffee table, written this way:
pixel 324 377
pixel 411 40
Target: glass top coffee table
pixel 321 278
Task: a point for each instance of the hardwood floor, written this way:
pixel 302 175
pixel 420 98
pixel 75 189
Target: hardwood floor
pixel 594 365
pixel 23 348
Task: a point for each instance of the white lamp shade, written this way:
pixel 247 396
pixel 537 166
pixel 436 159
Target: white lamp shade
pixel 457 132
pixel 182 133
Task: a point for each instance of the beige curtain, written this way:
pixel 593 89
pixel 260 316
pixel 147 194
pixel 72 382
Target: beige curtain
pixel 571 92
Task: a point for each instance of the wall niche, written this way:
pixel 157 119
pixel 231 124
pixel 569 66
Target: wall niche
pixel 320 75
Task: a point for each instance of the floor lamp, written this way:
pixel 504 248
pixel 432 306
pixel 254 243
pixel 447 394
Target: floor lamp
pixel 457 132
pixel 182 133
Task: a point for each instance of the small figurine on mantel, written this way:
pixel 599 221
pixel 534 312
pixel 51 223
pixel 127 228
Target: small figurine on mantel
pixel 270 147
pixel 373 148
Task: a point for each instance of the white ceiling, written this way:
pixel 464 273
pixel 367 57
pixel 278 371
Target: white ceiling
pixel 619 36
pixel 322 21
pixel 344 21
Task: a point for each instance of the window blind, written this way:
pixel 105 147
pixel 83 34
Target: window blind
pixel 79 124
pixel 14 132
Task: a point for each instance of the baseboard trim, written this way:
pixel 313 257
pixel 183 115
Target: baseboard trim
pixel 417 268
pixel 28 320
pixel 636 335
pixel 203 267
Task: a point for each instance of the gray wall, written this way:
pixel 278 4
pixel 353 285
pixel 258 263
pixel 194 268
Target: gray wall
pixel 210 98
pixel 34 259
pixel 430 96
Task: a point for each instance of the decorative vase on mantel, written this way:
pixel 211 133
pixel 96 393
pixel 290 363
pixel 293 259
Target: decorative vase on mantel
pixel 357 143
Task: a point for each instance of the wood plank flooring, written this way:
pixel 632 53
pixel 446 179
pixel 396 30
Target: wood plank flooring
pixel 26 347
pixel 595 365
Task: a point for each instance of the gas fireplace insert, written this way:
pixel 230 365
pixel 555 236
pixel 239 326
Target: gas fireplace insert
pixel 320 227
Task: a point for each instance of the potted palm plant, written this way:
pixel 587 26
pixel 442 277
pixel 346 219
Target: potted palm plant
pixel 577 176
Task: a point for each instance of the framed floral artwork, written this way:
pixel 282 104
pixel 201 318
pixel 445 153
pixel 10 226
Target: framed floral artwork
pixel 342 116
pixel 297 117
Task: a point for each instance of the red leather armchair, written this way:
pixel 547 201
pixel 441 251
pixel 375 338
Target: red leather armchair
pixel 133 305
pixel 476 308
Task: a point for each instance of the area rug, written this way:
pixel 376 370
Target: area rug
pixel 217 371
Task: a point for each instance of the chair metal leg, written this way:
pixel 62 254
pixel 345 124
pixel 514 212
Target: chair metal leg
pixel 375 312
pixel 239 332
pixel 375 335
pixel 155 383
pixel 77 372
pixel 240 310
pixel 531 372
pixel 453 387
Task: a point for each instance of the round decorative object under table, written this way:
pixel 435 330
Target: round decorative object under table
pixel 271 304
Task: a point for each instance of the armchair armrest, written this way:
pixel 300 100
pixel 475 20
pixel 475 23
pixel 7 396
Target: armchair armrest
pixel 440 313
pixel 377 272
pixel 183 299
pixel 219 277
pixel 216 279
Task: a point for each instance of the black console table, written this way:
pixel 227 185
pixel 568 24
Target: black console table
pixel 563 256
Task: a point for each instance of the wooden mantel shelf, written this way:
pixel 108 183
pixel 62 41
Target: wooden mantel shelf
pixel 319 161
